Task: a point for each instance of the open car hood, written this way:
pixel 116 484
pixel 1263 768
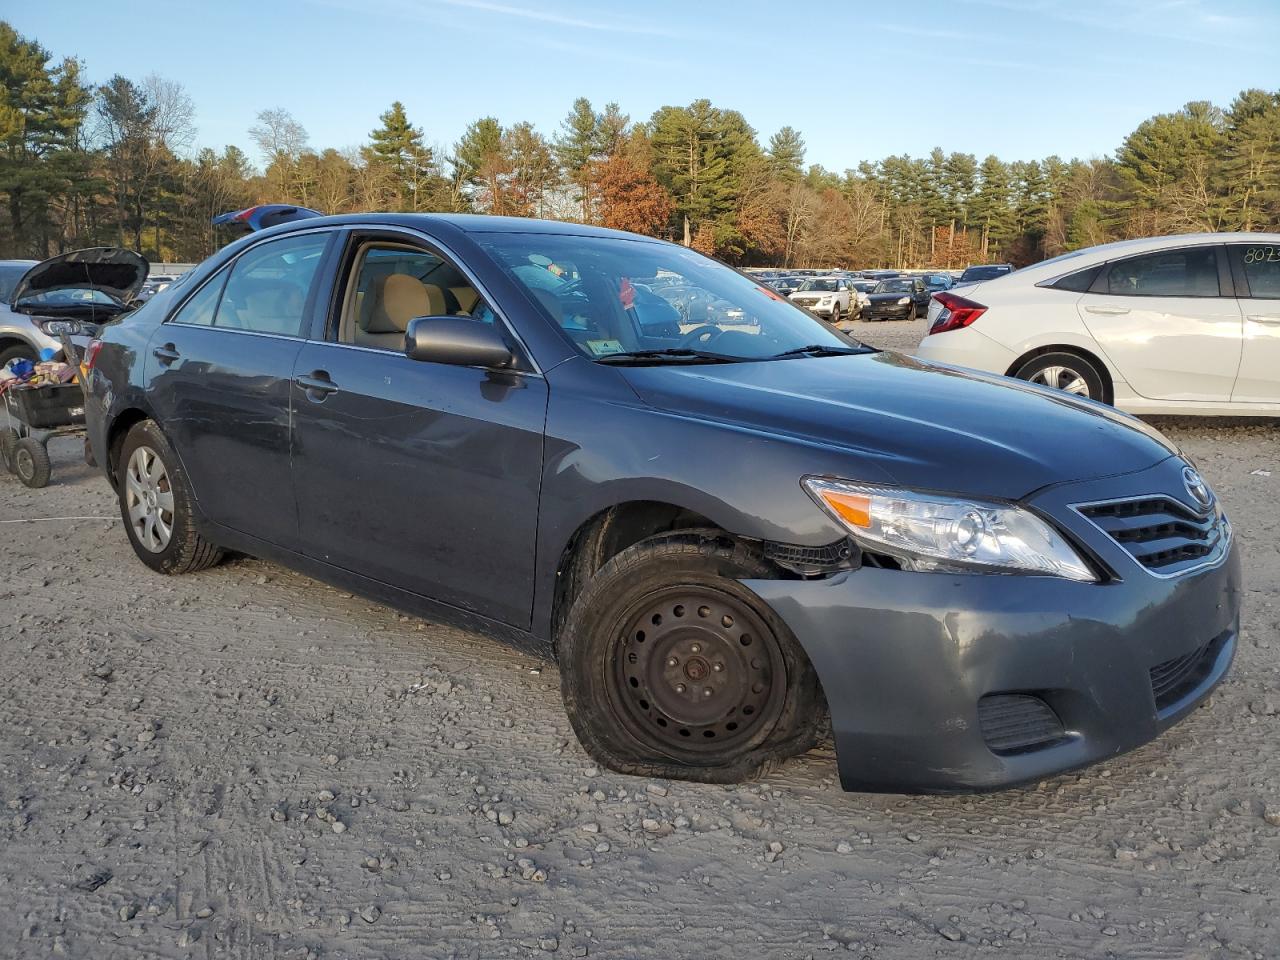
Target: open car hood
pixel 118 273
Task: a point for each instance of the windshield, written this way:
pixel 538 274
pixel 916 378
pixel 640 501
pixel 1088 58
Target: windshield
pixel 893 286
pixel 69 297
pixel 614 296
pixel 825 285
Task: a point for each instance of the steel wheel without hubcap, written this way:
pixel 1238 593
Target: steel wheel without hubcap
pixel 149 499
pixel 1062 378
pixel 697 672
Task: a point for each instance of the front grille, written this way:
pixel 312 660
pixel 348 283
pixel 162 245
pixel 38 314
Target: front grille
pixel 1162 534
pixel 1174 679
pixel 1018 722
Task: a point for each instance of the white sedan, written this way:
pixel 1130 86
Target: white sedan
pixel 1186 324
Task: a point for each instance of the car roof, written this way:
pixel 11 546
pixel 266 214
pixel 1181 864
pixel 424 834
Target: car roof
pixel 466 222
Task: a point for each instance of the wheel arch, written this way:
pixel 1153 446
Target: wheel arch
pixel 1101 365
pixel 9 339
pixel 117 429
pixel 604 535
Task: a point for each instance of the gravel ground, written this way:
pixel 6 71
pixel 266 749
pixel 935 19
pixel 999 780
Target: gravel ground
pixel 246 763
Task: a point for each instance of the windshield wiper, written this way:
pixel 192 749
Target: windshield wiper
pixel 672 353
pixel 820 350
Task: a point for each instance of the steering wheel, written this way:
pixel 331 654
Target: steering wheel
pixel 701 336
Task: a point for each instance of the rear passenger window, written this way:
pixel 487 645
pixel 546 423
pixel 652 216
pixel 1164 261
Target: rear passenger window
pixel 1174 273
pixel 268 288
pixel 1078 282
pixel 1261 264
pixel 200 309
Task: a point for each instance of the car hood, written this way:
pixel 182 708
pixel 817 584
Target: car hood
pixel 909 422
pixel 887 297
pixel 116 272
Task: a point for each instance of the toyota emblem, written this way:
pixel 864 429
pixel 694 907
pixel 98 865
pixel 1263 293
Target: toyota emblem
pixel 1197 488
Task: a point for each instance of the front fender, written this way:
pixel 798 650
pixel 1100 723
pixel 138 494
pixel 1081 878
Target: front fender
pixel 605 447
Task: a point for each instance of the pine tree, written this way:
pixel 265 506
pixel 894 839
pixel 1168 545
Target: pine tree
pixel 786 154
pixel 42 113
pixel 397 146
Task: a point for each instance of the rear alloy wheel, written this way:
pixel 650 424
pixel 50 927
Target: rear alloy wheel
pixel 1068 372
pixel 31 462
pixel 669 667
pixel 156 505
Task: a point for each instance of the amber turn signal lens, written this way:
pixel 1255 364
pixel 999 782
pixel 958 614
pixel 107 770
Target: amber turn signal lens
pixel 850 507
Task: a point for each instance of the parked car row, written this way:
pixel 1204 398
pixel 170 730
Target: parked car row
pixel 840 295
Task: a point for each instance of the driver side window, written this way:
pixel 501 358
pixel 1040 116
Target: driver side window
pixel 392 284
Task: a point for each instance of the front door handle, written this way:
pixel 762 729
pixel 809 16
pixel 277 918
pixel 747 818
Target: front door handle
pixel 1272 318
pixel 1108 311
pixel 316 384
pixel 166 355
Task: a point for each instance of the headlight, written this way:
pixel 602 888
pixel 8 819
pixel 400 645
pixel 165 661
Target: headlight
pixel 827 298
pixel 929 532
pixel 903 301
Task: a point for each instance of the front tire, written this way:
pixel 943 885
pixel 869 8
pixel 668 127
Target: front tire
pixel 1065 371
pixel 671 668
pixel 157 507
pixel 835 315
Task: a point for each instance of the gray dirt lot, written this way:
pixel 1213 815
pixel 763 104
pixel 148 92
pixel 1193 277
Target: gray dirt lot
pixel 247 763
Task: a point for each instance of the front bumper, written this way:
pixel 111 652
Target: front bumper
pixel 820 310
pixel 904 658
pixel 893 312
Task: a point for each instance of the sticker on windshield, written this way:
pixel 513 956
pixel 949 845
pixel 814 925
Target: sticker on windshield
pixel 603 348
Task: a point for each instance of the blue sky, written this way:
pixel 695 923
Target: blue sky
pixel 860 80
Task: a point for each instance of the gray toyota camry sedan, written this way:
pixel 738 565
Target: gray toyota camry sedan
pixel 724 519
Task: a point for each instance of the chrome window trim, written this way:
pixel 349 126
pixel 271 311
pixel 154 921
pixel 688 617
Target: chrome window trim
pixel 465 270
pixel 1215 559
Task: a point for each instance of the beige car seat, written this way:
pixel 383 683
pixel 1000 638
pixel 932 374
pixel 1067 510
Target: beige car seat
pixel 386 310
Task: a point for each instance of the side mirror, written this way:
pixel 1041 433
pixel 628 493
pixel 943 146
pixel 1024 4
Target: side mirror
pixel 458 341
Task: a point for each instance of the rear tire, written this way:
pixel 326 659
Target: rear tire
pixel 157 507
pixel 31 463
pixel 671 668
pixel 1067 371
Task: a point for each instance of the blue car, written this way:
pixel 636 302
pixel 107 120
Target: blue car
pixel 723 518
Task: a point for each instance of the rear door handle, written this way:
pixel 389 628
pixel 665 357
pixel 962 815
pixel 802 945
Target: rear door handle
pixel 1273 318
pixel 316 384
pixel 166 355
pixel 1108 311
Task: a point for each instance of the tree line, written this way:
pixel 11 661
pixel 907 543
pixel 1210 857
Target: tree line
pixel 114 163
